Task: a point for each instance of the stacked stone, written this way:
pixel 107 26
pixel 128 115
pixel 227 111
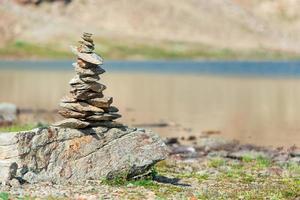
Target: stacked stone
pixel 86 106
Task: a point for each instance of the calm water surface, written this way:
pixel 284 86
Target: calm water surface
pixel 254 102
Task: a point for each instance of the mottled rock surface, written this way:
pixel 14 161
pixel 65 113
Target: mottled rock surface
pixel 62 155
pixel 8 113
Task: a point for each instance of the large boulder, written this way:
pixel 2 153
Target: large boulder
pixel 8 113
pixel 62 155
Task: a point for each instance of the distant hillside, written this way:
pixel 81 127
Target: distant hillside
pixel 187 27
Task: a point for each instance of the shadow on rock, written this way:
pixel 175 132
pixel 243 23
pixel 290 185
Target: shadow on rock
pixel 172 181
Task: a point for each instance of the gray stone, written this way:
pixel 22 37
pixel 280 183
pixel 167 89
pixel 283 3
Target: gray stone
pixel 90 79
pixel 72 123
pixel 72 114
pixel 183 150
pixel 85 94
pixel 30 177
pixel 95 87
pixel 62 155
pixel 89 71
pixel 8 170
pixel 84 48
pixel 88 57
pixel 111 109
pixel 8 113
pixel 295 153
pixel 216 144
pixel 108 124
pixel 68 99
pixel 87 43
pixel 76 80
pixel 295 160
pixel 81 107
pixel 84 64
pixel 103 117
pixel 84 79
pixel 87 38
pixel 14 183
pixel 282 158
pixel 103 102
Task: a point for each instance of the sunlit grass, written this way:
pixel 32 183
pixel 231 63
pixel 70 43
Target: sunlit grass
pixel 19 127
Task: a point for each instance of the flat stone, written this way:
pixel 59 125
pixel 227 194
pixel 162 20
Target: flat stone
pixel 67 155
pixel 109 124
pixel 89 71
pixel 87 38
pixel 216 144
pixel 103 102
pixel 87 43
pixel 85 64
pixel 81 107
pixel 252 154
pixel 72 123
pixel 90 79
pixel 89 57
pixel 72 114
pixel 295 153
pixel 83 87
pixel 68 99
pixel 111 109
pixel 85 94
pixel 95 87
pixel 85 49
pixel 76 80
pixel 103 117
pixel 295 160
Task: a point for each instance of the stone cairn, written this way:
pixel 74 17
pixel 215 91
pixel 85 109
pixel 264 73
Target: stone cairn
pixel 88 144
pixel 86 106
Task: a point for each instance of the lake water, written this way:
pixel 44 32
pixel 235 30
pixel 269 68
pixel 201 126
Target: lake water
pixel 254 102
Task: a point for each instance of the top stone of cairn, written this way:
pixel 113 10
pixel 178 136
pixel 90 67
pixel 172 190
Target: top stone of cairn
pixel 86 106
pixel 85 50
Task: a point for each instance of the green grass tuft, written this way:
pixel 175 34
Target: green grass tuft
pixel 4 196
pixel 216 162
pixel 18 127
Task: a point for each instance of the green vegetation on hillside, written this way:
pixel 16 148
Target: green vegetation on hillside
pixel 25 50
pixel 136 50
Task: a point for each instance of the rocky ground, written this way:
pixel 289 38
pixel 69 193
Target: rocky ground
pixel 197 168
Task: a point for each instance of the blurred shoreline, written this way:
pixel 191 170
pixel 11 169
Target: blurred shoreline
pixel 261 111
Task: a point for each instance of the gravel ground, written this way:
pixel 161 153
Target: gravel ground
pixel 211 168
